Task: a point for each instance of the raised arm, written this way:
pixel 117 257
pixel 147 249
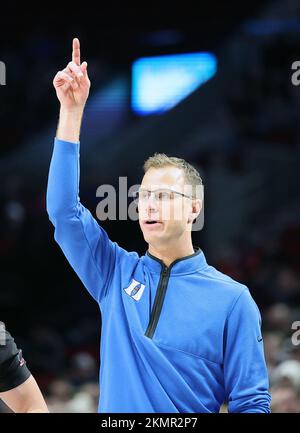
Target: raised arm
pixel 83 241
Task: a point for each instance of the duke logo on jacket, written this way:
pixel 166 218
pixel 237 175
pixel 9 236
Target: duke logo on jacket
pixel 135 289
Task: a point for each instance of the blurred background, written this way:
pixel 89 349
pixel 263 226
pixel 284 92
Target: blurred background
pixel 211 83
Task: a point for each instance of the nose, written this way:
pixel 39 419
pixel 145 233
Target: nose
pixel 151 202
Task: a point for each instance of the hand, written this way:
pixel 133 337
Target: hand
pixel 72 84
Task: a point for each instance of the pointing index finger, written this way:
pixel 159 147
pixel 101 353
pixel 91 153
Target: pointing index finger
pixel 76 51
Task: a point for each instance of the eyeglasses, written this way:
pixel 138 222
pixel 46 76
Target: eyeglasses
pixel 160 195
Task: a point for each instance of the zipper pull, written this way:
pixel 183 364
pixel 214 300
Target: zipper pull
pixel 165 270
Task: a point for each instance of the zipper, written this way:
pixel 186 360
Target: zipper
pixel 161 291
pixel 159 300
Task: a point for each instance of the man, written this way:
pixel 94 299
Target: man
pixel 18 388
pixel 177 335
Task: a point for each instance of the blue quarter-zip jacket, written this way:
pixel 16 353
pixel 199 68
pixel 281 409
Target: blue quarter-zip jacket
pixel 180 339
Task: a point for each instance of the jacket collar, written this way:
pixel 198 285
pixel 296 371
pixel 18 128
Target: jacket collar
pixel 184 265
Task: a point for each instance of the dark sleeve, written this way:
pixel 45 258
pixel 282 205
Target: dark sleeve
pixel 13 369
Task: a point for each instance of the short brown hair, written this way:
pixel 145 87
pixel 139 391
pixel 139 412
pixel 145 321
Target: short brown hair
pixel 191 175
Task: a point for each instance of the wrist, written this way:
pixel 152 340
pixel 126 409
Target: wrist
pixel 69 124
pixel 75 111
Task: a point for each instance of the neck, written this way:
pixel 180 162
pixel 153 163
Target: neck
pixel 172 251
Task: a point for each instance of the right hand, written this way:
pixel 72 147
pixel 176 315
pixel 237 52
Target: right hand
pixel 72 84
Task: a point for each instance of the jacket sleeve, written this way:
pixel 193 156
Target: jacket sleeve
pixel 84 242
pixel 245 372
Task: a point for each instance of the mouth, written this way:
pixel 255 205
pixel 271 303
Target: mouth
pixel 152 223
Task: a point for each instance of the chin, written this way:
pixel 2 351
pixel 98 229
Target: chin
pixel 158 241
pixel 150 239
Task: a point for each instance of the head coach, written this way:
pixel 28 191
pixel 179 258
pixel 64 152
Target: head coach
pixel 177 335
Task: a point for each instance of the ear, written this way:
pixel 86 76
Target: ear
pixel 195 210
